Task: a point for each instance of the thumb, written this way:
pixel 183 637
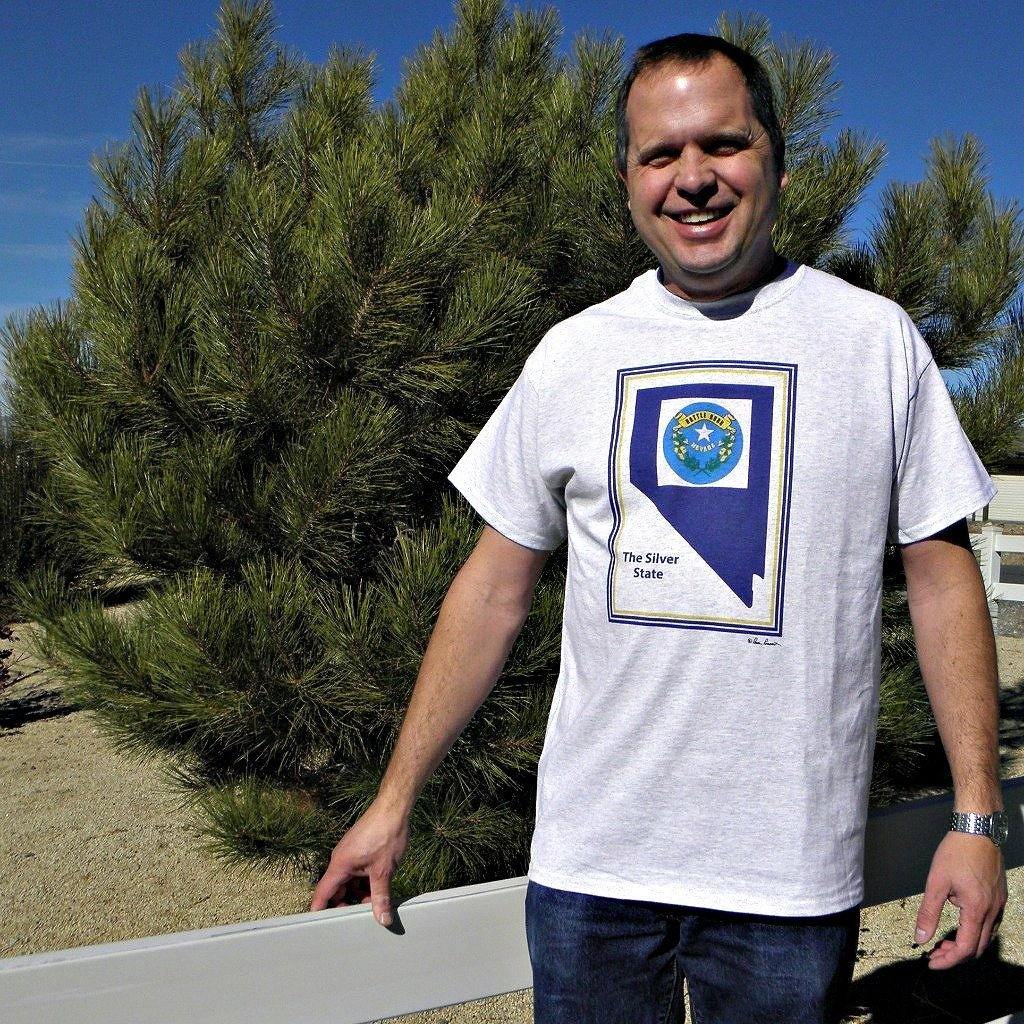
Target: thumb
pixel 929 913
pixel 380 898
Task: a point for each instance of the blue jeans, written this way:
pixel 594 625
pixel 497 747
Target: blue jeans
pixel 598 960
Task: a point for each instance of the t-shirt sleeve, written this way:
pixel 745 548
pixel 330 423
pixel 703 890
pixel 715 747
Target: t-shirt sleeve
pixel 939 478
pixel 500 473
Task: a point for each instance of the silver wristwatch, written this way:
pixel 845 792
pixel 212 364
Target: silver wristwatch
pixel 995 825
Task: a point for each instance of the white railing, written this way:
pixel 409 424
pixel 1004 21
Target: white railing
pixel 341 967
pixel 989 546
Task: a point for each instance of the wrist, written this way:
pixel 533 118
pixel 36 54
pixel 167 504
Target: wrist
pixel 393 804
pixel 983 799
pixel 993 825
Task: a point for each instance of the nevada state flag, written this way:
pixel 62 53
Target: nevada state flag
pixel 700 471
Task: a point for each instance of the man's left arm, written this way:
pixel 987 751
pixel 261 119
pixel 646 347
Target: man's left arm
pixel 957 654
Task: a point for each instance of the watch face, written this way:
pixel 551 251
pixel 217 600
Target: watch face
pixel 1000 828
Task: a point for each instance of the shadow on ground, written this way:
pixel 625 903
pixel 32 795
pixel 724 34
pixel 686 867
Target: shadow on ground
pixel 34 706
pixel 972 992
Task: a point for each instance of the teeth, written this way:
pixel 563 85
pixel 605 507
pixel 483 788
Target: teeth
pixel 701 217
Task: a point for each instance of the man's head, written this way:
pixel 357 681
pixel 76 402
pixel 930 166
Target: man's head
pixel 697 133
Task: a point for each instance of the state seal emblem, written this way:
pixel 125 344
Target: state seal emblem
pixel 703 442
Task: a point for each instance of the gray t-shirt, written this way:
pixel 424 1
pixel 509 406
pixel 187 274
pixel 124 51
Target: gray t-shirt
pixel 727 475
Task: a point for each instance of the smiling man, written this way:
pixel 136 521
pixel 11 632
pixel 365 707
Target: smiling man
pixel 703 177
pixel 727 445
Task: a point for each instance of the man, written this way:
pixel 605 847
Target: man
pixel 727 445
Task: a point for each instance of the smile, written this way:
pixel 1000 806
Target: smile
pixel 701 224
pixel 701 216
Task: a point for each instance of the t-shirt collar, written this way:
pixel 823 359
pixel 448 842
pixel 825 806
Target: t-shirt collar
pixel 732 305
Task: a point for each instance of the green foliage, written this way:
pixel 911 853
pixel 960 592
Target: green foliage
pixel 949 254
pixel 989 402
pixel 22 546
pixel 292 312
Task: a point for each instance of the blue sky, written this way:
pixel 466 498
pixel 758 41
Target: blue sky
pixel 69 74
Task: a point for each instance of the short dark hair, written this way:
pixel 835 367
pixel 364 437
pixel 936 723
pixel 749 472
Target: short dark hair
pixel 694 48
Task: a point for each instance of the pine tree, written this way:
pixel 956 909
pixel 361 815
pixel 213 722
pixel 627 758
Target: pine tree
pixel 292 311
pixel 22 548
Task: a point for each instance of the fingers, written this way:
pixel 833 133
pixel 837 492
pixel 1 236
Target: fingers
pixel 380 897
pixel 335 886
pixel 969 935
pixel 327 888
pixel 369 898
pixel 986 934
pixel 929 913
pixel 949 953
pixel 365 858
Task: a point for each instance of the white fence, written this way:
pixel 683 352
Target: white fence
pixel 990 546
pixel 341 967
pixel 1008 504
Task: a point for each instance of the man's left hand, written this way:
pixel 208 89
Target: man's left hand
pixel 967 870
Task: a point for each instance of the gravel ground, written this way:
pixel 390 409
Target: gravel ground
pixel 96 849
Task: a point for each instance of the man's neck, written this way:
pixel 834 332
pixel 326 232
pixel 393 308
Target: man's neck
pixel 772 267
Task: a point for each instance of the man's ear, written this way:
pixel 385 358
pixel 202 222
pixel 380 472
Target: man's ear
pixel 784 180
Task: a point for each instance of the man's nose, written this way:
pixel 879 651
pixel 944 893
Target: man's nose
pixel 694 172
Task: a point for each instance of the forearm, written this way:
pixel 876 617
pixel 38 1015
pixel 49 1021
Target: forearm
pixel 957 653
pixel 464 657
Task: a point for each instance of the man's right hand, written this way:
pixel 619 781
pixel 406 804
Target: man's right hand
pixel 366 855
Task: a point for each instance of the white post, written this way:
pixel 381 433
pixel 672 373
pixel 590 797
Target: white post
pixel 991 565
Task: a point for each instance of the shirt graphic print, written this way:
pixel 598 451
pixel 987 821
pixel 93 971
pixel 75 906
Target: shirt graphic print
pixel 700 479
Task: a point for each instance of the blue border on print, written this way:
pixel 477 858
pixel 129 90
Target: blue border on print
pixel 787 485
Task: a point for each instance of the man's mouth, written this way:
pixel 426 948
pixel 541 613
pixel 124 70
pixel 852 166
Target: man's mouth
pixel 705 216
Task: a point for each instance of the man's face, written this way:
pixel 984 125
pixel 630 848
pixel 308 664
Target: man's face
pixel 695 145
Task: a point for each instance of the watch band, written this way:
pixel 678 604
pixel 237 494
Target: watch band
pixel 994 825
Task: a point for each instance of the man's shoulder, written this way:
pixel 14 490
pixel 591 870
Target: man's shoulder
pixel 625 304
pixel 843 296
pixel 629 301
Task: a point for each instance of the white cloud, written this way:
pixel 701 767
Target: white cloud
pixel 22 144
pixel 36 250
pixel 40 202
pixel 52 149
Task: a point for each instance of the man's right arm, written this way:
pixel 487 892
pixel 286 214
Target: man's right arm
pixel 479 620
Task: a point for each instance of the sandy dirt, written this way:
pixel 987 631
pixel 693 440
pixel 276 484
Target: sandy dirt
pixel 97 849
